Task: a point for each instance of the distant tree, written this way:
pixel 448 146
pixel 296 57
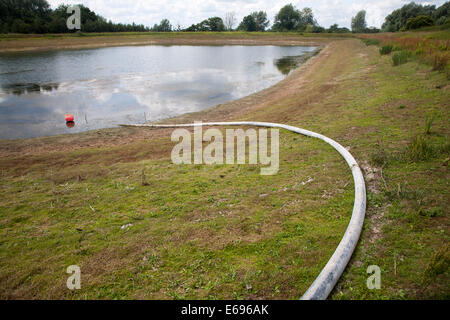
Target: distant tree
pixel 290 19
pixel 20 26
pixel 58 22
pixel 192 28
pixel 287 19
pixel 214 24
pixel 3 27
pixel 307 17
pixel 442 14
pixel 314 29
pixel 163 26
pixel 256 21
pixel 333 28
pixel 211 24
pixel 39 25
pixel 372 30
pixel 36 16
pixel 359 22
pixel 230 21
pixel 261 20
pixel 419 22
pixel 397 20
pixel 25 16
pixel 248 24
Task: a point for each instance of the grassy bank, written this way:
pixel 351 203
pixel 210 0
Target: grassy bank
pixel 432 48
pixel 140 227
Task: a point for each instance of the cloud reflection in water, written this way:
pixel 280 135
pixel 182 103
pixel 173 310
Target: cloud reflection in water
pixel 108 86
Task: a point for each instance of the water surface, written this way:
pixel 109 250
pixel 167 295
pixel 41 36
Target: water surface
pixel 109 86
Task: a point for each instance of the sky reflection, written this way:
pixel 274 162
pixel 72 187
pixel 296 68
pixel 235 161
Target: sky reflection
pixel 105 87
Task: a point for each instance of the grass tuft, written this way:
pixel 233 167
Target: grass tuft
pixel 379 157
pixel 400 57
pixel 422 148
pixel 440 62
pixel 419 149
pixel 431 212
pixel 402 191
pixel 439 264
pixel 428 124
pixel 386 49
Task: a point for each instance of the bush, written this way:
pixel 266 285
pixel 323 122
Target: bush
pixel 396 47
pixel 372 30
pixel 371 42
pixel 317 29
pixel 386 49
pixel 419 22
pixel 400 57
pixel 442 20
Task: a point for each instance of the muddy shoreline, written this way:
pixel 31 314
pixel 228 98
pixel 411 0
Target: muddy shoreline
pixel 30 44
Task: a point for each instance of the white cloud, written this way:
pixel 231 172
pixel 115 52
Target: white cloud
pixel 187 12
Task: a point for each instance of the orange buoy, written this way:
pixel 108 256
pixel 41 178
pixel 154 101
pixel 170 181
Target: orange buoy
pixel 69 118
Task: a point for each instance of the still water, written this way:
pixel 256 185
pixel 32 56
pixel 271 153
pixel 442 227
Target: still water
pixel 106 87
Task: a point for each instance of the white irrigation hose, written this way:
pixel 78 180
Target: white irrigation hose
pixel 327 279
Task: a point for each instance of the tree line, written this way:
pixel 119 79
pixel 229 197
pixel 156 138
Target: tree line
pixel 36 16
pixel 414 16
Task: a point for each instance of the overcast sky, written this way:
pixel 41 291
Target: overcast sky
pixel 187 12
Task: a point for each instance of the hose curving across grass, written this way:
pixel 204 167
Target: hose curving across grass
pixel 330 274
